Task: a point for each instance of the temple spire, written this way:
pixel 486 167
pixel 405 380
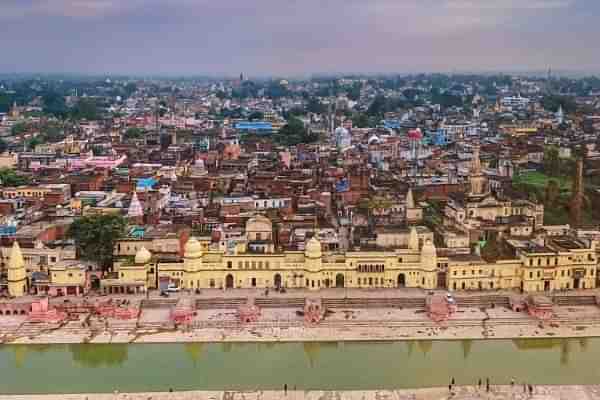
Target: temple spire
pixel 410 200
pixel 135 207
pixel 413 239
pixel 17 277
pixel 477 179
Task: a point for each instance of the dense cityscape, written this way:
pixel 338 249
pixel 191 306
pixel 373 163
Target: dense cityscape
pixel 462 182
pixel 190 210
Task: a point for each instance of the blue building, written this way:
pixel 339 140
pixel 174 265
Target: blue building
pixel 145 184
pixel 391 124
pixel 259 127
pixel 439 138
pixel 8 230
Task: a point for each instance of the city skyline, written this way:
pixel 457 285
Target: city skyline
pixel 297 38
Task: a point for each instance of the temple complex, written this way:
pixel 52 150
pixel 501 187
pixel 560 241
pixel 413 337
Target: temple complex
pixel 561 263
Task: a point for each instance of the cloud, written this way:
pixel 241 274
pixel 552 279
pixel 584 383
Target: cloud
pixel 66 8
pixel 508 4
pixel 295 36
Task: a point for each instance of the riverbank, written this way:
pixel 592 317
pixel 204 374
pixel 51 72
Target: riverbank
pixel 383 318
pixel 368 332
pixel 517 392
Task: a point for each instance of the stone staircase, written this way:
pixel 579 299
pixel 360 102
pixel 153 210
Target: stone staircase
pixel 400 302
pixel 574 300
pixel 220 303
pixel 279 302
pixel 158 303
pixel 482 301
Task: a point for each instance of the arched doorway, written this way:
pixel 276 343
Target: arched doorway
pixel 229 281
pixel 277 280
pixel 339 281
pixel 401 280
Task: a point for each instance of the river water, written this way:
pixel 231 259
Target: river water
pixel 246 366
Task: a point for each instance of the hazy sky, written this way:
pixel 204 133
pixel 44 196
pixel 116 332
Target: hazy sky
pixel 290 37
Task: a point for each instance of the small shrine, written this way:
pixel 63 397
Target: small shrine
pixel 184 311
pixel 440 308
pixel 42 312
pixel 118 309
pixel 540 307
pixel 313 311
pixel 249 312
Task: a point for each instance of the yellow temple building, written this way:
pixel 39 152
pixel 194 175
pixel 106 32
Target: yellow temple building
pixel 562 263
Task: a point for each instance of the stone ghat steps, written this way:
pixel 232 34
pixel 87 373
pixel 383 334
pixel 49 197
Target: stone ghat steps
pixel 424 323
pixel 280 302
pixel 401 302
pixel 238 325
pixel 482 301
pixel 574 300
pixel 158 303
pixel 218 303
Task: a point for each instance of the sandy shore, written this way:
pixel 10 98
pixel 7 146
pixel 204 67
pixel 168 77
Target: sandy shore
pixel 460 393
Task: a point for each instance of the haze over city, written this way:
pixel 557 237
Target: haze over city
pixel 273 37
pixel 299 199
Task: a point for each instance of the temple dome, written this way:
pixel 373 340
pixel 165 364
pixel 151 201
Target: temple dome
pixel 143 256
pixel 313 248
pixel 193 248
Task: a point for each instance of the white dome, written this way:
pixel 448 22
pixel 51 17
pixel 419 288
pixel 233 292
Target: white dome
pixel 313 248
pixel 428 249
pixel 143 256
pixel 193 248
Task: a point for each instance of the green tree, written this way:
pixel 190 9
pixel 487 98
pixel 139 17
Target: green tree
pixel 553 102
pixel 95 237
pixel 54 104
pixel 552 193
pixel 378 106
pixel 32 143
pixel 293 133
pixel 86 108
pixel 445 99
pixel 360 120
pixel 133 133
pixel 18 128
pixel 551 163
pixel 9 177
pixel 3 146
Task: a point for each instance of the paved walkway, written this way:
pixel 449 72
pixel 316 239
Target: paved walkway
pixel 460 393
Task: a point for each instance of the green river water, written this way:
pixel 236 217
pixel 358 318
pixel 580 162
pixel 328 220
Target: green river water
pixel 247 366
